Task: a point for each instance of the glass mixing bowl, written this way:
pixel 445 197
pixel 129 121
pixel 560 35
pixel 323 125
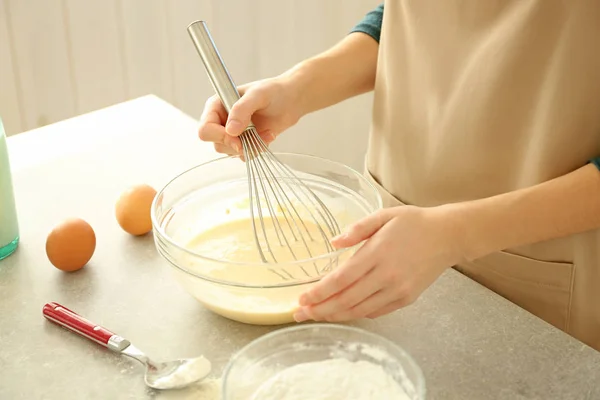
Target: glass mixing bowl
pixel 272 353
pixel 216 193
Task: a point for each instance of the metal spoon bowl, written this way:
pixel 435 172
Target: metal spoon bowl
pixel 175 374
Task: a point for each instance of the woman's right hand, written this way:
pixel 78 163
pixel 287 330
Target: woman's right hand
pixel 271 104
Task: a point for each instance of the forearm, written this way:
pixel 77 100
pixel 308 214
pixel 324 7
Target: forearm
pixel 344 71
pixel 560 207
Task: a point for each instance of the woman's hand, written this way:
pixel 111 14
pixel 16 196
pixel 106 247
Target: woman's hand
pixel 407 248
pixel 271 104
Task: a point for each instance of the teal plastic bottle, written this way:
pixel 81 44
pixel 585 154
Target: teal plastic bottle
pixel 9 226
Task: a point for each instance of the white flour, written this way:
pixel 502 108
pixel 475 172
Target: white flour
pixel 191 371
pixel 336 379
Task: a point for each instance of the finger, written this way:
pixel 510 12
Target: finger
pixel 262 124
pixel 267 137
pixel 212 121
pixel 233 143
pixel 211 132
pixel 241 112
pixel 341 278
pixel 393 306
pixel 221 148
pixel 362 289
pixel 216 133
pixel 362 229
pixel 214 111
pixel 371 305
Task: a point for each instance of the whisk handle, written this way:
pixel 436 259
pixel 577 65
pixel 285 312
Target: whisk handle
pixel 213 63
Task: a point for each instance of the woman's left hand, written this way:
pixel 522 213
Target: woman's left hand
pixel 407 248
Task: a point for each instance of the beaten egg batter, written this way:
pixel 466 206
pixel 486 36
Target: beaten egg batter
pixel 235 241
pixel 234 244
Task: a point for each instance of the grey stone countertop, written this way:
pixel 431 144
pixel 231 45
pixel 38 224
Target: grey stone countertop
pixel 470 343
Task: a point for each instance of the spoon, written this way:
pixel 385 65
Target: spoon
pixel 166 375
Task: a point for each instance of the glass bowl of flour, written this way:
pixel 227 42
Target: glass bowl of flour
pixel 202 228
pixel 322 362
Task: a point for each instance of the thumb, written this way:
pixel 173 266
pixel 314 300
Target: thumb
pixel 241 112
pixel 362 230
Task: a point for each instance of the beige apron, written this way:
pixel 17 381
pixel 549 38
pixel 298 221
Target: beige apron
pixel 475 98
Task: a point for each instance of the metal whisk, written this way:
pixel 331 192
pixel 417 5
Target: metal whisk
pixel 283 207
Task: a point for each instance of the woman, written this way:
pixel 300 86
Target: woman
pixel 486 122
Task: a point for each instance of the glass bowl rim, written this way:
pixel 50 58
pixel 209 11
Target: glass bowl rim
pixel 159 231
pixel 419 386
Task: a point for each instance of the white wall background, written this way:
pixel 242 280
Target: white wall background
pixel 61 58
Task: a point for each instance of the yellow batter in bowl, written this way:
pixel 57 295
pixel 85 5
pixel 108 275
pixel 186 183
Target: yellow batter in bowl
pixel 233 243
pixel 202 228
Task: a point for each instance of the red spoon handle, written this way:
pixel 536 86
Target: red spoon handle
pixel 76 323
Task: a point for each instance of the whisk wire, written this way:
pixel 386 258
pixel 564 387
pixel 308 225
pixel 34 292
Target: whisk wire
pixel 275 187
pixel 285 211
pixel 252 152
pixel 328 218
pixel 269 177
pixel 266 167
pixel 251 189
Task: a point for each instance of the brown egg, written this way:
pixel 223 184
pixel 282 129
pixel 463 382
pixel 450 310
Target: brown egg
pixel 71 244
pixel 133 209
